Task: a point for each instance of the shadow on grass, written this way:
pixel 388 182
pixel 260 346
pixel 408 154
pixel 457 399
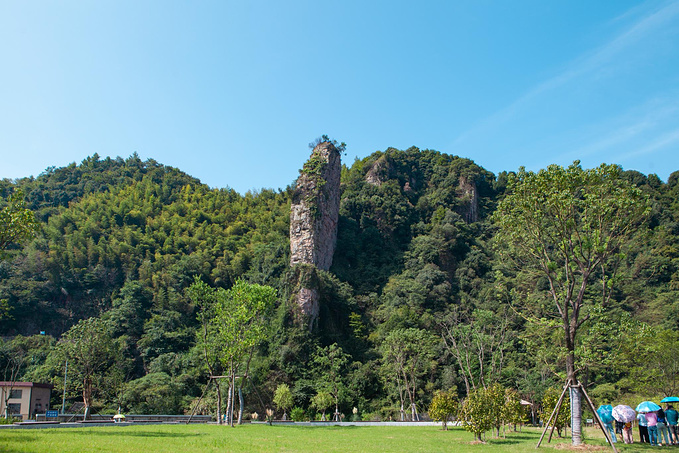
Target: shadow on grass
pixel 4 449
pixel 135 434
pixel 17 438
pixel 510 440
pixel 326 428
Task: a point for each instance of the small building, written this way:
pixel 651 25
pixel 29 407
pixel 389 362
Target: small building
pixel 26 399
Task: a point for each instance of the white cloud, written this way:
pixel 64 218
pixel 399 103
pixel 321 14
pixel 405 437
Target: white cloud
pixel 652 22
pixel 634 125
pixel 664 141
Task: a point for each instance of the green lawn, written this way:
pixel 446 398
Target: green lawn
pixel 264 438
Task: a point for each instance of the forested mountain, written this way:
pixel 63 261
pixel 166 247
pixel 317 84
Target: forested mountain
pixel 122 240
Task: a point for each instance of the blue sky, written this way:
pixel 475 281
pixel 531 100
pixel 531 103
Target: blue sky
pixel 233 91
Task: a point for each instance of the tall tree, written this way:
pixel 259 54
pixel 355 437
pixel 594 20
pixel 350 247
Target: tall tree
pixel 91 352
pixel 479 345
pixel 241 315
pixel 566 226
pixel 407 355
pixel 331 362
pixel 204 297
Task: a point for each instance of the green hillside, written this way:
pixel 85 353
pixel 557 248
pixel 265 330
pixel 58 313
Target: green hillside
pixel 123 239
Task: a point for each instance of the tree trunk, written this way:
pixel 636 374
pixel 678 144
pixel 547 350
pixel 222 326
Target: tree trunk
pixel 576 400
pixel 87 397
pixel 219 402
pixel 337 416
pixel 240 404
pixel 232 396
pixel 229 403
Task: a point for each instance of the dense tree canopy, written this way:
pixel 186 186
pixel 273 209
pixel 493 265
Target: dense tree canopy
pixel 414 276
pixel 17 222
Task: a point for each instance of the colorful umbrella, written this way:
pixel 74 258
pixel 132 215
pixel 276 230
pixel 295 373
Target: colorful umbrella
pixel 605 412
pixel 624 414
pixel 647 406
pixel 670 399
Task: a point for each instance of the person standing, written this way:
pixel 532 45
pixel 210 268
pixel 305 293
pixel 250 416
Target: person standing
pixel 618 428
pixel 662 428
pixel 671 415
pixel 611 432
pixel 643 428
pixel 652 424
pixel 627 436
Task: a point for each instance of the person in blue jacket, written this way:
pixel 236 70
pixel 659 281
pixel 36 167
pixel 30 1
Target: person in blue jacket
pixel 671 416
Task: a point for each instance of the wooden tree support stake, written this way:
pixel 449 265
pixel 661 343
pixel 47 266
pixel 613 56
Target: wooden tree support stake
pixel 555 411
pixel 199 400
pixel 557 408
pixel 598 419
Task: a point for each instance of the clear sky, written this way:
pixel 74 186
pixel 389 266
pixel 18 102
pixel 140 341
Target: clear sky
pixel 233 91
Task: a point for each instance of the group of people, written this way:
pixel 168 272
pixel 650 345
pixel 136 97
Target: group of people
pixel 653 427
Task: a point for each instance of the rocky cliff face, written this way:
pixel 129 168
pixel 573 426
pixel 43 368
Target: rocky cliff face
pixel 470 196
pixel 313 219
pixel 379 172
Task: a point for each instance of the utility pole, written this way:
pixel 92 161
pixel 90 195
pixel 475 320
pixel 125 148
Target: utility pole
pixel 63 399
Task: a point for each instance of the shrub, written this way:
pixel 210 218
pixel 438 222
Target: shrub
pixel 549 401
pixel 8 421
pixel 371 417
pixel 443 406
pixel 476 413
pixel 322 401
pixel 283 398
pixel 297 414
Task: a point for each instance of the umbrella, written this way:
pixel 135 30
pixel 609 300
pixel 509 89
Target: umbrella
pixel 670 399
pixel 624 414
pixel 647 406
pixel 605 413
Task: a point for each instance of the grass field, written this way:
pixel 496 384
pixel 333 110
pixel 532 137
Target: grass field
pixel 264 438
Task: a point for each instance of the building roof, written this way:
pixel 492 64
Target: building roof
pixel 25 384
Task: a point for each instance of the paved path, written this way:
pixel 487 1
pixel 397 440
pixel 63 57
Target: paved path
pixel 52 425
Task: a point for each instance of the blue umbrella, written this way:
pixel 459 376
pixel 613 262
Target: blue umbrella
pixel 670 399
pixel 647 406
pixel 605 412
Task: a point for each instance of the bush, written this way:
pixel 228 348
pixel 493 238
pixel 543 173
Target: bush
pixel 476 413
pixel 443 407
pixel 8 421
pixel 549 400
pixel 283 398
pixel 322 401
pixel 297 414
pixel 371 417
